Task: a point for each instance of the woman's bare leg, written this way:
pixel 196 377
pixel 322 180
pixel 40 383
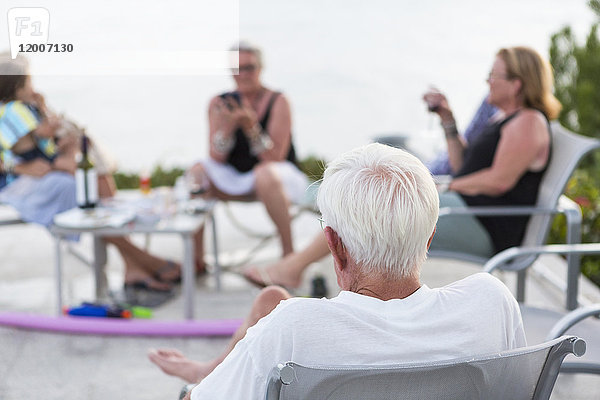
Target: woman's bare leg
pixel 172 362
pixel 141 265
pixel 288 271
pixel 106 186
pixel 199 250
pixel 201 179
pixel 269 190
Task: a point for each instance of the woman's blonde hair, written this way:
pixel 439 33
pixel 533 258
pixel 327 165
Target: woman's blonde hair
pixel 537 80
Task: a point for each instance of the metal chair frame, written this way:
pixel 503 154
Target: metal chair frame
pixel 568 149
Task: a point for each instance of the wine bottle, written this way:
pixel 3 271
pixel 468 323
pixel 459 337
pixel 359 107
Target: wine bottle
pixel 86 178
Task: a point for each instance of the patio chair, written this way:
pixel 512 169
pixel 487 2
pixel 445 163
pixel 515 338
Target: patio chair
pixel 263 237
pixel 568 149
pixel 542 324
pixel 12 218
pixel 525 373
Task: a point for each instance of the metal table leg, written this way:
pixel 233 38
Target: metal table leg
pixel 216 251
pixel 188 276
pixel 99 265
pixel 58 271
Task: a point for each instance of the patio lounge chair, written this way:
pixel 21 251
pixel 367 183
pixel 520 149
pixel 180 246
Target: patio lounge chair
pixel 12 218
pixel 263 237
pixel 568 149
pixel 526 373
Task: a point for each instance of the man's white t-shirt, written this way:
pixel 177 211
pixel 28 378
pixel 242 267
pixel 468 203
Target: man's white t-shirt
pixel 473 316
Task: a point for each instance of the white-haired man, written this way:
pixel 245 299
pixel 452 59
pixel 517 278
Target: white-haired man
pixel 380 207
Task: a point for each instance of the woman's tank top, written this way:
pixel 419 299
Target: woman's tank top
pixel 240 157
pixel 504 231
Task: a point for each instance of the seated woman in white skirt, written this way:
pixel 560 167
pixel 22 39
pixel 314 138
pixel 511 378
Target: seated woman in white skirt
pixel 251 151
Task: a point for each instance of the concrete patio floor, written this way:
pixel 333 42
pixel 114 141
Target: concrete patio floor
pixel 66 366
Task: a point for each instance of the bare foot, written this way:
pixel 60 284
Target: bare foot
pixel 173 362
pixel 278 273
pixel 134 274
pixel 170 272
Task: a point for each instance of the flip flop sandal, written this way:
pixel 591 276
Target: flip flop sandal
pixel 139 293
pixel 168 267
pixel 144 284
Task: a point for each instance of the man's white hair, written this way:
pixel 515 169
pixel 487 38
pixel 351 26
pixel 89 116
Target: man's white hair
pixel 383 204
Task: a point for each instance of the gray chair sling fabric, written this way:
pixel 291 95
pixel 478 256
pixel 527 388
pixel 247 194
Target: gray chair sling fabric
pixel 526 373
pixel 568 149
pixel 541 324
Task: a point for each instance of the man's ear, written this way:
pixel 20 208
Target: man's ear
pixel 431 237
pixel 338 251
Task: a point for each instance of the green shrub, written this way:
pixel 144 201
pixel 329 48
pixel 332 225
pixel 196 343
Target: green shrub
pixel 159 177
pixel 584 189
pixel 312 167
pixel 125 180
pixel 162 177
pixel 577 87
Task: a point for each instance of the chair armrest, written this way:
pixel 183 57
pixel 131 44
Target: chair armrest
pixel 508 254
pixel 571 319
pixel 565 205
pixel 499 211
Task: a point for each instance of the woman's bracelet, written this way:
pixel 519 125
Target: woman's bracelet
pixel 222 144
pixel 450 129
pixel 260 141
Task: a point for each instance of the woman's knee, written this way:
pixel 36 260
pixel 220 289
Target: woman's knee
pixel 197 168
pixel 267 177
pixel 268 299
pixel 200 177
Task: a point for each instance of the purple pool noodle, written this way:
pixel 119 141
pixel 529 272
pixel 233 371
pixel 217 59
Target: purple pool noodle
pixel 122 327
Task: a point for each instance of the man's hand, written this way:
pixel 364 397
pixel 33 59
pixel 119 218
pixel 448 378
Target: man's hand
pixel 37 167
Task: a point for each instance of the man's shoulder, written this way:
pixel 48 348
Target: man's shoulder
pixel 298 309
pixel 480 278
pixel 481 282
pixel 296 304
